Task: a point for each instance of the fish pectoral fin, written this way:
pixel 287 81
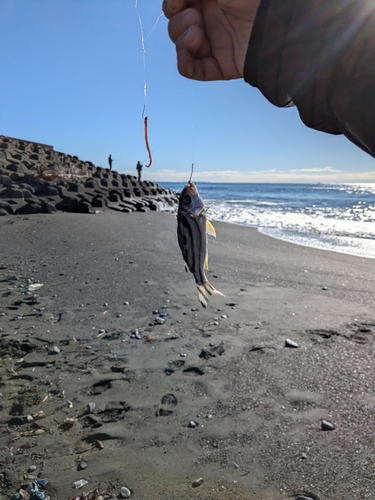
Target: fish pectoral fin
pixel 210 228
pixel 205 291
pixel 205 265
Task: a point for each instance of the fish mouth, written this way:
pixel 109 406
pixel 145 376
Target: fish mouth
pixel 191 188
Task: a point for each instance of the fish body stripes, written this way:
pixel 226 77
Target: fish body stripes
pixel 192 229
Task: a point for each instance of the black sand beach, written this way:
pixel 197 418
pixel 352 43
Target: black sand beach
pixel 213 394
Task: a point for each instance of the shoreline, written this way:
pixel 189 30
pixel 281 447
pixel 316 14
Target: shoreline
pixel 258 405
pixel 321 247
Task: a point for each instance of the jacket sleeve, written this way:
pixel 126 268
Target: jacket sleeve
pixel 318 55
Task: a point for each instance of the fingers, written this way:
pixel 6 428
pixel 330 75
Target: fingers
pixel 186 30
pixel 181 23
pixel 172 7
pixel 203 69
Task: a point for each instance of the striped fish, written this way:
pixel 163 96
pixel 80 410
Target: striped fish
pixel 192 230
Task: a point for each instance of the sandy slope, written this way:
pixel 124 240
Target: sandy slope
pixel 258 405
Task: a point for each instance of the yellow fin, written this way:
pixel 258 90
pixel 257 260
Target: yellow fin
pixel 205 265
pixel 210 228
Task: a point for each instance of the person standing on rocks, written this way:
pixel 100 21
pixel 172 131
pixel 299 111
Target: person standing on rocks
pixel 139 169
pixel 110 162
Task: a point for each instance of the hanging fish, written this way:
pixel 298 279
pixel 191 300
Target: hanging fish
pixel 192 230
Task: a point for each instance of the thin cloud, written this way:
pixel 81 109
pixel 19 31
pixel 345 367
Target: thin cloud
pixel 315 175
pixel 315 169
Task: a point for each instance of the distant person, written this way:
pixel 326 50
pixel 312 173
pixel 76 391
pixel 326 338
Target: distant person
pixel 139 169
pixel 110 162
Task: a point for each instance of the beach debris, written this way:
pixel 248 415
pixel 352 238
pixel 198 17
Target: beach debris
pixel 125 492
pixel 98 444
pixel 78 484
pixel 303 497
pixel 198 482
pixel 21 493
pixel 192 424
pixel 34 286
pixel 159 320
pixel 291 343
pixel 327 426
pixel 35 492
pixel 39 415
pixel 192 230
pixel 33 432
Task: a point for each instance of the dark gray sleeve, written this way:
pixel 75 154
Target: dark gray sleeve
pixel 318 55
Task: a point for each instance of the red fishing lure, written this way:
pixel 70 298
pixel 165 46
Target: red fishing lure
pixel 147 144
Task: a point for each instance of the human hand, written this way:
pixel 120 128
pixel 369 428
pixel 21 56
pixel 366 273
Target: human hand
pixel 211 36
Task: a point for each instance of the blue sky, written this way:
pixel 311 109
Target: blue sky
pixel 72 75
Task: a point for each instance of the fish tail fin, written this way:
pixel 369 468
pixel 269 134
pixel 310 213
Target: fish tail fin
pixel 205 291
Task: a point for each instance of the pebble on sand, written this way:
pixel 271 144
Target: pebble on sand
pixel 290 343
pixel 198 482
pixel 192 424
pixel 90 408
pixel 125 492
pixel 82 465
pixel 327 426
pixel 54 350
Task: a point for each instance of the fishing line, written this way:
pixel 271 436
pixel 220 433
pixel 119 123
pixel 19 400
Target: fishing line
pixel 192 128
pixel 144 55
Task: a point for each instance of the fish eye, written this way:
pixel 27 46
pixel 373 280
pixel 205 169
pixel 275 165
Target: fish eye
pixel 187 199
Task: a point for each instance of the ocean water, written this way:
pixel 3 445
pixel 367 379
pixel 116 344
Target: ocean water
pixel 336 217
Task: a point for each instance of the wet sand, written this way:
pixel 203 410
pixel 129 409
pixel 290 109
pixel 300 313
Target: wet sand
pixel 213 394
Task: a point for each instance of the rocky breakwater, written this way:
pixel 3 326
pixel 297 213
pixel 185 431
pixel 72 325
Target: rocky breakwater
pixel 36 179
